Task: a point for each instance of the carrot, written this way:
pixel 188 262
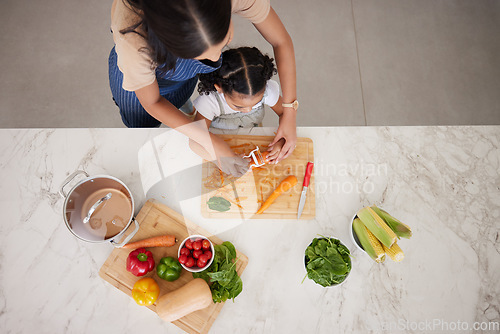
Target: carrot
pixel 159 241
pixel 264 159
pixel 221 178
pixel 264 155
pixel 284 186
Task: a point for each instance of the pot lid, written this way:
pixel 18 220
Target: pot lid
pixel 98 208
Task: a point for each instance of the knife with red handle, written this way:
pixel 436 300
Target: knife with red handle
pixel 305 185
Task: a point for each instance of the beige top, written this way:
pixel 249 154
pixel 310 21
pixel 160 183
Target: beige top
pixel 137 66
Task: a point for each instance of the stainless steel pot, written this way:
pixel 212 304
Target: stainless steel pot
pixel 98 209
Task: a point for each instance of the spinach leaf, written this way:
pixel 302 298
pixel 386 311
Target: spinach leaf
pixel 226 251
pixel 230 247
pixel 218 204
pixel 310 253
pixel 219 294
pixel 236 287
pixel 225 276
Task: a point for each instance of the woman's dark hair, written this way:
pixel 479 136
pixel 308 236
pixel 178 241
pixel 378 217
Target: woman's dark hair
pixel 179 28
pixel 244 70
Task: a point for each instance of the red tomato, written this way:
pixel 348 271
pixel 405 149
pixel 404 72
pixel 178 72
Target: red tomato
pixel 204 257
pixel 197 245
pixel 189 262
pixel 201 263
pixel 185 251
pixel 188 244
pixel 183 258
pixel 205 244
pixel 197 253
pixel 208 254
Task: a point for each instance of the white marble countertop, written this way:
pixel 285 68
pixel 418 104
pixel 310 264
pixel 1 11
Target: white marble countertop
pixel 442 181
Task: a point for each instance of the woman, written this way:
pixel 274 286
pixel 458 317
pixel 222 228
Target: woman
pixel 161 46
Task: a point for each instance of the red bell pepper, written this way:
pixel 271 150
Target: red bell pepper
pixel 140 262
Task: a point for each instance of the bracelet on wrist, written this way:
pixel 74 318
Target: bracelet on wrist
pixel 294 105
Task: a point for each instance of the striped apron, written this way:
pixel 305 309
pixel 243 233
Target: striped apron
pixel 176 86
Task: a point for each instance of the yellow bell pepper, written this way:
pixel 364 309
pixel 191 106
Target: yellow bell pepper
pixel 145 291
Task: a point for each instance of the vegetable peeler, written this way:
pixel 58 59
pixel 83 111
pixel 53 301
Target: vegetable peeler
pixel 257 158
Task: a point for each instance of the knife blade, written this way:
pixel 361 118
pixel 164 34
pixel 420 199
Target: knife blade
pixel 305 185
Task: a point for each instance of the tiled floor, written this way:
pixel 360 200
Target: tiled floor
pixel 359 62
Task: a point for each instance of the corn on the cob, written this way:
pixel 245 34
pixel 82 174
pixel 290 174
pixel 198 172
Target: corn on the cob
pixel 401 230
pixel 377 226
pixel 370 243
pixel 395 252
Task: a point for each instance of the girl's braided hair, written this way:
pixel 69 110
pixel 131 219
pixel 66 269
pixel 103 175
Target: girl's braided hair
pixel 244 70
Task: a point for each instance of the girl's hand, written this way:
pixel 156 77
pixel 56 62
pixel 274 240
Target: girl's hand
pixel 274 151
pixel 287 130
pixel 217 150
pixel 227 160
pixel 235 166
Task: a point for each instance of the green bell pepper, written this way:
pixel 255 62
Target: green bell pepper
pixel 169 269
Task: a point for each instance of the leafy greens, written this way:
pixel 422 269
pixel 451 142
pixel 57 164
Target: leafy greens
pixel 327 261
pixel 221 275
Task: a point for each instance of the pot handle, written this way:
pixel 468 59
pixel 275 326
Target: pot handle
pixel 95 206
pixel 127 239
pixel 68 180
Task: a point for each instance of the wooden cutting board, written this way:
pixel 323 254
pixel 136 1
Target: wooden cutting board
pixel 157 219
pixel 247 193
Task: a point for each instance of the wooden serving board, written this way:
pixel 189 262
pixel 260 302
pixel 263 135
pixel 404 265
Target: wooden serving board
pixel 157 219
pixel 247 193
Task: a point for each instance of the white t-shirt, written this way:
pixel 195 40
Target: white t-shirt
pixel 208 106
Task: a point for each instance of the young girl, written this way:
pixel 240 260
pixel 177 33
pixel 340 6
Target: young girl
pixel 233 96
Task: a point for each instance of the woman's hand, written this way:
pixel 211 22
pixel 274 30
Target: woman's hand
pixel 287 130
